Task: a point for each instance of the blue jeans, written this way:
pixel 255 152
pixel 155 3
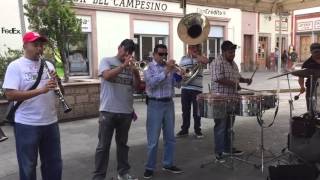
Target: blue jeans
pixel 160 115
pixel 222 131
pixel 45 140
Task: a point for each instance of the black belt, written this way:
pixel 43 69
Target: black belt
pixel 167 99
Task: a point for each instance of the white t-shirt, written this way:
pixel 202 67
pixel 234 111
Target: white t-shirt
pixel 40 110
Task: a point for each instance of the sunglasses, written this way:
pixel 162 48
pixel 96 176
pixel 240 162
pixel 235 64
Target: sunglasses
pixel 162 54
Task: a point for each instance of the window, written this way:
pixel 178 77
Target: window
pixel 211 47
pixel 146 44
pixel 79 56
pixel 262 47
pixel 284 43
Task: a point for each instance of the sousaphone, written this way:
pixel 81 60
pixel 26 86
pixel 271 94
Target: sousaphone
pixel 193 29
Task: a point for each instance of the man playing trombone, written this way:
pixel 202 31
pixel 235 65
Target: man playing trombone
pixel 190 90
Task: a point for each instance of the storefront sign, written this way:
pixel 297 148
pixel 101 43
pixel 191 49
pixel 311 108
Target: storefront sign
pixel 131 4
pixel 305 26
pixel 317 25
pixel 212 12
pixel 85 23
pixel 284 25
pixel 13 30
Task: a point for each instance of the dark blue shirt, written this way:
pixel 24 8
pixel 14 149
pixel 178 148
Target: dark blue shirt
pixel 310 64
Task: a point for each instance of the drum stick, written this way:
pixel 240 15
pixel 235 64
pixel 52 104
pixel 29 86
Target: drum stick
pixel 254 72
pixel 297 97
pixel 250 89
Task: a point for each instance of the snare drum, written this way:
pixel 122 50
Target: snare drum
pixel 268 100
pixel 249 105
pixel 212 105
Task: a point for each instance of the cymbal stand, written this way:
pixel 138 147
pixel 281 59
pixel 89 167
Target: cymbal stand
pixel 285 151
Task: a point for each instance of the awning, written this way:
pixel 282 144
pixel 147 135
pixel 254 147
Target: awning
pixel 263 6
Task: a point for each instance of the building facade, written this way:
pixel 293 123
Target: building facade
pixel 106 23
pixel 307 31
pixel 269 36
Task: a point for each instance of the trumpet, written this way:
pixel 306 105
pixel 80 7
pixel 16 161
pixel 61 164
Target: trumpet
pixel 57 91
pixel 187 74
pixel 140 64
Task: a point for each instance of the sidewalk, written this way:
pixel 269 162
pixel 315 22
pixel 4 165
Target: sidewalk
pixel 79 140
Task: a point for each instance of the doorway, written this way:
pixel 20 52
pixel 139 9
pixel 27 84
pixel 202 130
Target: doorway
pixel 248 60
pixel 305 42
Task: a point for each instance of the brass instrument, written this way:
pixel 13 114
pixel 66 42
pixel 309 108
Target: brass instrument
pixel 193 29
pixel 141 65
pixel 57 91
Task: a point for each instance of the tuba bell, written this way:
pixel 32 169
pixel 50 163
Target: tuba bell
pixel 193 29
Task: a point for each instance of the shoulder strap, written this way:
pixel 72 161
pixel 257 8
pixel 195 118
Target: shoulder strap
pixel 40 72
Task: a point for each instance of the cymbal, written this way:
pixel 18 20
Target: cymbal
pixel 301 73
pixel 306 73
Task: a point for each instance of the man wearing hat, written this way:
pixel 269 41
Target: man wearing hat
pixel 225 79
pixel 312 63
pixel 36 124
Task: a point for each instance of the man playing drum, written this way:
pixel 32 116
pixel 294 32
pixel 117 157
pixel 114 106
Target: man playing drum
pixel 312 63
pixel 225 78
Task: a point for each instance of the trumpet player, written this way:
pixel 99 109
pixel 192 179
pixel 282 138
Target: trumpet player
pixel 118 79
pixel 190 91
pixel 160 82
pixel 36 124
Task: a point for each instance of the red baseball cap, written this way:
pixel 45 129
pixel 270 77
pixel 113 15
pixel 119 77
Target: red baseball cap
pixel 33 36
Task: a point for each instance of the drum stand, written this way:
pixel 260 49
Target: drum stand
pixel 285 151
pixel 261 149
pixel 232 157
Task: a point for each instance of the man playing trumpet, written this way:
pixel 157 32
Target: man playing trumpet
pixel 160 82
pixel 118 79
